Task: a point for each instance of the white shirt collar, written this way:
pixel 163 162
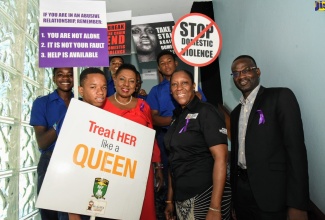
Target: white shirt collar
pixel 251 97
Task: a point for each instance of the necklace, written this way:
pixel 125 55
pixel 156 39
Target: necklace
pixel 121 102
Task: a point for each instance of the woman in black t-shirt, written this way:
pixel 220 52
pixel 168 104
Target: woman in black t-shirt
pixel 197 146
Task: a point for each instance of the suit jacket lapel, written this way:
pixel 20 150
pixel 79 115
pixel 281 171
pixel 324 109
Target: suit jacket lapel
pixel 256 105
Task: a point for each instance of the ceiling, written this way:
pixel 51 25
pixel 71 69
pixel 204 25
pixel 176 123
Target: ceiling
pixel 149 7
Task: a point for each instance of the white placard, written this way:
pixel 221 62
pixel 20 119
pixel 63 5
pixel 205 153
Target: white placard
pixel 72 14
pixel 99 166
pixel 119 16
pixel 196 39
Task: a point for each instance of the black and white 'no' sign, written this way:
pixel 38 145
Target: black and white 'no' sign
pixel 196 39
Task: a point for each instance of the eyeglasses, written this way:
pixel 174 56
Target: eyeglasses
pixel 244 72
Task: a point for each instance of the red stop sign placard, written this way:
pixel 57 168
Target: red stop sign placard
pixel 196 39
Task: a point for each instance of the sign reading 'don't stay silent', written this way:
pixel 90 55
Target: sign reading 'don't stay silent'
pixel 99 166
pixel 72 34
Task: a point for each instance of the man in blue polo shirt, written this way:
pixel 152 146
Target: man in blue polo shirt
pixel 47 116
pixel 162 105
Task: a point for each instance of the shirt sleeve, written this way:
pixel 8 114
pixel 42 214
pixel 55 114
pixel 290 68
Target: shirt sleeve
pixel 110 88
pixel 38 113
pixel 213 127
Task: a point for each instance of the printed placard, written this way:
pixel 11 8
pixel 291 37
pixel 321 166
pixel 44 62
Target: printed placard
pixel 99 166
pixel 151 34
pixel 72 34
pixel 196 39
pixel 119 33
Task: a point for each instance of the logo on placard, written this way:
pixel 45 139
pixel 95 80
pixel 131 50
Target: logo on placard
pixel 100 188
pixel 98 205
pixel 90 205
pixel 319 5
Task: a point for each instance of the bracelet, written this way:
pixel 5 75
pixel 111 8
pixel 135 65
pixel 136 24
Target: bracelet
pixel 168 202
pixel 54 126
pixel 215 210
pixel 159 166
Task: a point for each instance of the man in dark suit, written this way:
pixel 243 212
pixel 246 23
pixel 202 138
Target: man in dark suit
pixel 269 171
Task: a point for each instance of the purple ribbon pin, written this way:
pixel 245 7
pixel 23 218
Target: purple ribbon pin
pixel 141 106
pixel 185 127
pixel 262 118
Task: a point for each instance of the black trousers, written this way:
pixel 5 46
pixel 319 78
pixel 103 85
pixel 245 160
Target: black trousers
pixel 246 207
pixel 41 171
pixel 161 195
